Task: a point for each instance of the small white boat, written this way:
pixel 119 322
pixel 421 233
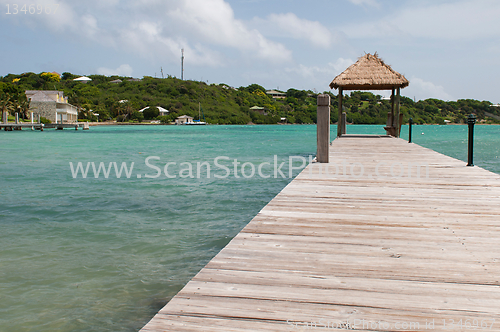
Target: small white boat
pixel 197 122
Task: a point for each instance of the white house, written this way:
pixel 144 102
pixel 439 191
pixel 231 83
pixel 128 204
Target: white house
pixel 52 105
pixel 83 79
pixel 258 109
pixel 161 109
pixel 183 119
pixel 276 94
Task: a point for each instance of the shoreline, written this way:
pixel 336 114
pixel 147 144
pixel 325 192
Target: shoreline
pixel 92 124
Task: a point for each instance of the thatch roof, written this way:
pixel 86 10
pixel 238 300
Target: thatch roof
pixel 369 73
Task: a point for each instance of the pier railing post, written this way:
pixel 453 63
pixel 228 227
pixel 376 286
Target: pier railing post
pixel 410 123
pixel 471 120
pixel 323 128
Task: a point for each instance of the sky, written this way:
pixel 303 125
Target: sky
pixel 447 49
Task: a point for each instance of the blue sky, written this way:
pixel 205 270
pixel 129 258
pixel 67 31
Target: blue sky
pixel 446 49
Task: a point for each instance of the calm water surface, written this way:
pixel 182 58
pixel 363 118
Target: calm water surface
pixel 99 254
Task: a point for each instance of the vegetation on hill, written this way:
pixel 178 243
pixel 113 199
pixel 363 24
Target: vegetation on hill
pixel 221 103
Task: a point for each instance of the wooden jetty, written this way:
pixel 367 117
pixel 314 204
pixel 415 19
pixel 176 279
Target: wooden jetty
pixel 386 250
pixel 60 126
pixel 9 126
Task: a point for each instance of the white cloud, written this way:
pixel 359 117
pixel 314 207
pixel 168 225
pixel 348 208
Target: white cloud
pixel 424 89
pixel 289 25
pixel 341 64
pixel 464 19
pixel 372 3
pixel 331 70
pixel 213 21
pixel 159 29
pixel 149 40
pixel 316 76
pixel 123 70
pixel 89 26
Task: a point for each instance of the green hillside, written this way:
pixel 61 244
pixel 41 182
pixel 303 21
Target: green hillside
pixel 221 103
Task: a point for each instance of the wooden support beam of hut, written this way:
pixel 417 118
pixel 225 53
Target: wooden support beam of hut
pixel 339 118
pixel 371 73
pixel 397 124
pixel 392 107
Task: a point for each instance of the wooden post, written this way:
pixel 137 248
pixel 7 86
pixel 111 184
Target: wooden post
pixel 339 121
pixel 344 123
pixel 17 122
pixel 396 118
pixel 392 108
pixel 388 128
pixel 5 117
pixel 400 123
pixel 32 128
pixel 389 119
pixel 323 128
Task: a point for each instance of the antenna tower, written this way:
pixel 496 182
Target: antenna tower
pixel 182 64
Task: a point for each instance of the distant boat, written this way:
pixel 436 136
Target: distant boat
pixel 198 122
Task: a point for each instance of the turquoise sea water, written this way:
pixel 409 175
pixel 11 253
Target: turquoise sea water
pixel 105 254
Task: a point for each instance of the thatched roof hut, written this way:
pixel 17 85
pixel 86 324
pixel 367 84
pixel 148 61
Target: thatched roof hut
pixel 369 73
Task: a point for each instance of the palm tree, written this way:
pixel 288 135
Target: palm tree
pixel 125 109
pixel 24 104
pixel 6 104
pixel 15 105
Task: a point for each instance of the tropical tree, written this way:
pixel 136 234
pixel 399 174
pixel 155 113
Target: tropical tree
pixel 151 112
pixel 24 105
pixel 125 109
pixel 5 103
pixel 50 77
pixel 15 105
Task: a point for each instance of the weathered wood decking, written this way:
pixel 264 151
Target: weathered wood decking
pixel 340 252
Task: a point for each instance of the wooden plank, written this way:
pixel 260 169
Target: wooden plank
pixel 334 252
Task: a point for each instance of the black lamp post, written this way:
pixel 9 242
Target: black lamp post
pixel 471 120
pixel 410 122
